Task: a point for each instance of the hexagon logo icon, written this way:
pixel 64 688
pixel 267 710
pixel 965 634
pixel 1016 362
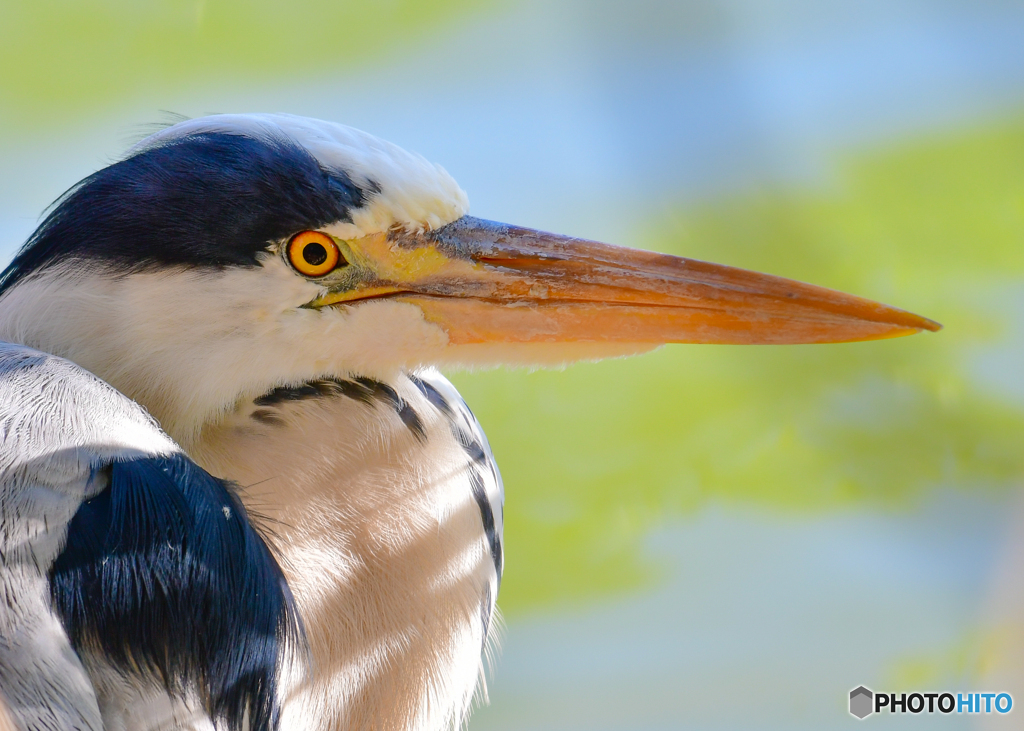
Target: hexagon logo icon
pixel 861 702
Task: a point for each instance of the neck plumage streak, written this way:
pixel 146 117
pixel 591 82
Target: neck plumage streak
pixel 386 510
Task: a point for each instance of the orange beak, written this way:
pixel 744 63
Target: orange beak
pixel 486 282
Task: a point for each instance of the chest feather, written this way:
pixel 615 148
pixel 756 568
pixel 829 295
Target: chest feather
pixel 384 505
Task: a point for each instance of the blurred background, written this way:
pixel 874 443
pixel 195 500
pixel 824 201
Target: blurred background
pixel 706 537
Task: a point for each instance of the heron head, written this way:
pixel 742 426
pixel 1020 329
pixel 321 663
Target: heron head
pixel 230 254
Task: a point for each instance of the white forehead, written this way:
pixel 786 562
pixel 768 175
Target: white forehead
pixel 414 193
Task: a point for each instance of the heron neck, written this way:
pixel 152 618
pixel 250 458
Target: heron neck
pixel 369 499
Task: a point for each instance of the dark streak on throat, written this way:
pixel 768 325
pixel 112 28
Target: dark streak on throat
pixel 364 390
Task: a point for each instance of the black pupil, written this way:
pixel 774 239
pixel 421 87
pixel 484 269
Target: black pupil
pixel 314 254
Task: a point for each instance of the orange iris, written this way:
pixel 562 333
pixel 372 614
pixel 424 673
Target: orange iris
pixel 314 253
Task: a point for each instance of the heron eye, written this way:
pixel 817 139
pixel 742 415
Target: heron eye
pixel 314 253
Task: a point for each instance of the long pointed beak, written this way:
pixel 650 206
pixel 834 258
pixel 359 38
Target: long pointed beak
pixel 489 282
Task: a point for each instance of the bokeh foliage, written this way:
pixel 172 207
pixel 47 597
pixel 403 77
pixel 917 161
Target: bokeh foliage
pixel 60 58
pixel 597 455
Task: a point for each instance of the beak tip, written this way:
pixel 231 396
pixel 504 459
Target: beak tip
pixel 920 324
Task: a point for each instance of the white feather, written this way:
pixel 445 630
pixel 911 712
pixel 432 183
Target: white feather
pixel 382 542
pixel 58 424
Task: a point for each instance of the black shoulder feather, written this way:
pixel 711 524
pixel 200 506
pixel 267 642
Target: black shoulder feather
pixel 164 571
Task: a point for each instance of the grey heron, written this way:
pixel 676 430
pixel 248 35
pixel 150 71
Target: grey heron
pixel 235 491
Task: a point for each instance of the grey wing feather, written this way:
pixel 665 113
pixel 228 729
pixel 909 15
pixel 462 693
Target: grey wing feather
pixel 58 424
